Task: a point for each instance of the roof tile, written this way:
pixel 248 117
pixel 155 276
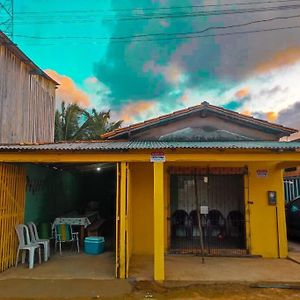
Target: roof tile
pixel 203 105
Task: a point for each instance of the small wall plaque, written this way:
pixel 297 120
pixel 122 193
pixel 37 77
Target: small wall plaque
pixel 157 157
pixel 204 210
pixel 262 173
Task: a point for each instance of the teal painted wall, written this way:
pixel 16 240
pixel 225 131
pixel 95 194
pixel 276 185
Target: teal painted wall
pixel 49 193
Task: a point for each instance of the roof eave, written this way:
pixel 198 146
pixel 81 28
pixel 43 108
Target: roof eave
pixel 24 58
pixel 279 130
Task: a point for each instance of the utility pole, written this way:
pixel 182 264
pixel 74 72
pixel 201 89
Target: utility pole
pixel 7 17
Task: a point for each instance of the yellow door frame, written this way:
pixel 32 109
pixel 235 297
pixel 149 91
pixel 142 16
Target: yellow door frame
pixel 127 220
pixel 122 209
pixel 159 240
pixel 118 177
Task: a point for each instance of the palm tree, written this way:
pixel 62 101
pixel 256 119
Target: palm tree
pixel 96 124
pixel 67 122
pixel 75 123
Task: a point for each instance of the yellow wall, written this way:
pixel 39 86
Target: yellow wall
pixel 142 208
pixel 262 228
pixel 267 230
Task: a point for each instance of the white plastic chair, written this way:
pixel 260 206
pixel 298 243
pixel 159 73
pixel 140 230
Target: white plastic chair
pixel 26 244
pixel 35 239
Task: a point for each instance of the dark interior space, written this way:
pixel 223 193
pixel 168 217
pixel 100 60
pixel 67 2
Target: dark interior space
pixel 98 192
pixel 219 199
pixel 82 195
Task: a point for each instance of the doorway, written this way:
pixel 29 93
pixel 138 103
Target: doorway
pixel 219 199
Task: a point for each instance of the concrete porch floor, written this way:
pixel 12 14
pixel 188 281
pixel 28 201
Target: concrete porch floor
pixel 177 268
pixel 70 265
pixel 294 250
pixel 218 269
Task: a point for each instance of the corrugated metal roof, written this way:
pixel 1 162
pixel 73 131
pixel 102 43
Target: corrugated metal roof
pixel 150 145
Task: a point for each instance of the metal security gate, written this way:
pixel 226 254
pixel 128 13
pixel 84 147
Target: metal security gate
pixel 219 199
pixel 291 188
pixel 12 204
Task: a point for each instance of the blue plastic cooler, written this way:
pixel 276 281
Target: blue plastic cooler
pixel 94 245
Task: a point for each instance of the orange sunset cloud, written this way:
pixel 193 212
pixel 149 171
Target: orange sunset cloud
pixel 280 59
pixel 134 109
pixel 271 116
pixel 242 93
pixel 246 113
pixel 68 91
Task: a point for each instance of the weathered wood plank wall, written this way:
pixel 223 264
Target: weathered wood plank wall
pixel 27 102
pixel 12 204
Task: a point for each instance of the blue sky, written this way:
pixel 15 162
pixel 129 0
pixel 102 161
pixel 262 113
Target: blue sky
pixel 254 73
pixel 73 57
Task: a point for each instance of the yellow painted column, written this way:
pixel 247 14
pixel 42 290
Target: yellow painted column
pixel 282 235
pixel 122 231
pixel 159 260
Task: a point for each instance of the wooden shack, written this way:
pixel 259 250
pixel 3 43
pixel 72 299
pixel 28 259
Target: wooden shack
pixel 27 98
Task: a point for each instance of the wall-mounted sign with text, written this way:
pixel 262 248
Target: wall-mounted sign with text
pixel 157 157
pixel 262 173
pixel 204 210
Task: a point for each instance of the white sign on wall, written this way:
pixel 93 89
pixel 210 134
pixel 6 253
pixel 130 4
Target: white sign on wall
pixel 157 157
pixel 262 173
pixel 204 210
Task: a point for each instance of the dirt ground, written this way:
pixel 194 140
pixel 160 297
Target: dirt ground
pixel 87 289
pixel 210 291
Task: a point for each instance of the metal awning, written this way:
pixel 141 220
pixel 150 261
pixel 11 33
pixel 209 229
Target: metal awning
pixel 150 145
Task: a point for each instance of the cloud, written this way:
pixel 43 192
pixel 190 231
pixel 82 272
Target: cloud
pixel 242 93
pixel 94 86
pixel 164 23
pixel 98 92
pixel 68 91
pixel 136 111
pixel 171 73
pixel 290 116
pixel 186 97
pixel 159 1
pixel 246 112
pixel 122 70
pixel 91 80
pixel 273 92
pixel 280 59
pixel 271 116
pixel 251 73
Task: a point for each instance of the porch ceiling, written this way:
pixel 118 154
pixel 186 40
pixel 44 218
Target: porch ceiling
pixel 81 167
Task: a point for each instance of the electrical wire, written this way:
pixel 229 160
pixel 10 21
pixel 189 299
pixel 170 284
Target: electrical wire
pixel 84 19
pixel 160 8
pixel 130 37
pixel 185 37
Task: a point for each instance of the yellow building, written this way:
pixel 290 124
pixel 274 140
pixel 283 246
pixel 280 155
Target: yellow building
pixel 203 180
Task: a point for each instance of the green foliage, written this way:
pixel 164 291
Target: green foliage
pixel 74 123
